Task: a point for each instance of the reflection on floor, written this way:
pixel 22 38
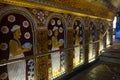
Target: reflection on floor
pixel 102 70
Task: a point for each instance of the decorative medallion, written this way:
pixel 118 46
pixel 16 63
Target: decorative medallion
pixel 3 46
pixel 4 29
pixel 11 18
pixel 50 33
pixel 60 29
pixel 34 11
pixel 59 22
pixel 27 35
pixel 41 16
pixel 52 22
pixel 3 76
pixel 25 24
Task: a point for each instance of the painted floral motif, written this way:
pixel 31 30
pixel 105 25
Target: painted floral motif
pixel 41 16
pixel 3 46
pixel 31 69
pixel 3 76
pixel 50 33
pixel 59 22
pixel 52 22
pixel 27 35
pixel 4 30
pixel 60 29
pixel 25 24
pixel 11 18
pixel 34 11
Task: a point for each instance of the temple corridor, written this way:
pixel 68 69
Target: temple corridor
pixel 59 39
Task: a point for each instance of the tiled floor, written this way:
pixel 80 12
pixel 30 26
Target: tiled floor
pixel 101 70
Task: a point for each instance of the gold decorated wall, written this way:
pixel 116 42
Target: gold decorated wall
pixel 54 39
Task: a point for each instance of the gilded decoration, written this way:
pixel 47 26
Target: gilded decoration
pixel 42 68
pixel 84 6
pixel 42 43
pixel 70 41
pixel 41 16
pixel 69 19
pixel 56 36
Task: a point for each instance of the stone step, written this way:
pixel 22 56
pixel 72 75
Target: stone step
pixel 111 54
pixel 110 59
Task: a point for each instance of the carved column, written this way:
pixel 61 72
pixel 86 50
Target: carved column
pixel 97 32
pixel 70 51
pixel 42 62
pixel 86 39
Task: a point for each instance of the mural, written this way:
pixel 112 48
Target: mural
pixel 102 37
pixel 108 40
pixel 92 38
pixel 16 42
pixel 78 42
pixel 56 42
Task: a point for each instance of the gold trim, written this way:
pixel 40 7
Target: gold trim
pixel 48 8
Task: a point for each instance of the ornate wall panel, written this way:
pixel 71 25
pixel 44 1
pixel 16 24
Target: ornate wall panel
pixel 102 36
pixel 42 47
pixel 49 31
pixel 92 38
pixel 97 38
pixel 109 33
pixel 86 20
pixel 57 41
pixel 70 44
pixel 17 41
pixel 78 35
